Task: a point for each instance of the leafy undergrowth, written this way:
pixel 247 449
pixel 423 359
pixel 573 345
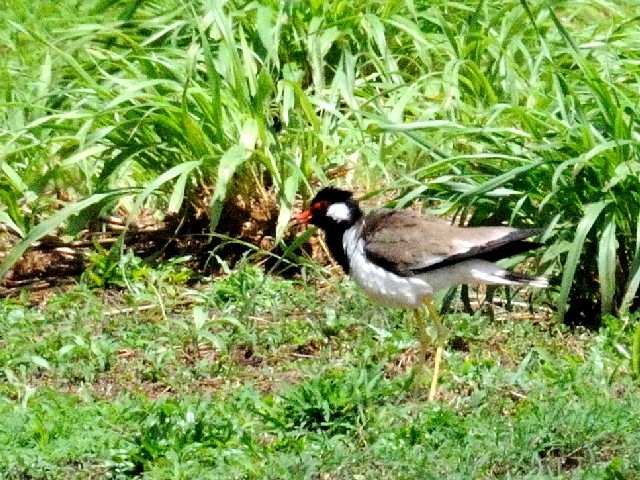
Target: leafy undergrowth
pixel 252 376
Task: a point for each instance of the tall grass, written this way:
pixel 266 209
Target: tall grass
pixel 498 111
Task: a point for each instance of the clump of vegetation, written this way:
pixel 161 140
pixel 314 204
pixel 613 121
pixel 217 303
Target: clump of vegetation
pixel 218 115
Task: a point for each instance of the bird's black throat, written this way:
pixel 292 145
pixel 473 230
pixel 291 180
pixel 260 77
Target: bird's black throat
pixel 334 233
pixel 336 248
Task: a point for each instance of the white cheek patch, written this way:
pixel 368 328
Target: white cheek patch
pixel 339 212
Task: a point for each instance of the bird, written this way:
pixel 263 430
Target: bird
pixel 402 257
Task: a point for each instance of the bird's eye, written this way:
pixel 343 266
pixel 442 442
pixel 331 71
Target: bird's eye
pixel 320 206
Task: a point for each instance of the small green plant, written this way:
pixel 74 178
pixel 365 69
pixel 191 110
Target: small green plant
pixel 239 285
pixel 335 402
pixel 202 329
pixel 107 268
pixel 81 358
pixel 168 427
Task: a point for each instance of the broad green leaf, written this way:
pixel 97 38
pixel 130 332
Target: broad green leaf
pixel 14 177
pixel 629 168
pixel 136 92
pixel 5 219
pixel 14 217
pixel 181 169
pixel 195 137
pixel 633 280
pixel 200 317
pixel 265 28
pixel 494 184
pixel 234 322
pixel 287 195
pixel 40 362
pixel 306 105
pixel 397 113
pixel 249 134
pixel 177 196
pixel 344 80
pixel 591 213
pixel 229 162
pixel 411 29
pixel 607 259
pixel 92 151
pixel 44 83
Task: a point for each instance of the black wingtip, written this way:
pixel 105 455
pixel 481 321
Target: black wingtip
pixel 525 279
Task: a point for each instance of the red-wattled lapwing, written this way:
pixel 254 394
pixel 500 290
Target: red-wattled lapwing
pixel 401 257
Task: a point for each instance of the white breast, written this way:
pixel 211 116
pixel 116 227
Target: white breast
pixel 381 285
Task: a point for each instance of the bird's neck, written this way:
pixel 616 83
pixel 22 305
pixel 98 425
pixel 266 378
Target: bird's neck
pixel 336 247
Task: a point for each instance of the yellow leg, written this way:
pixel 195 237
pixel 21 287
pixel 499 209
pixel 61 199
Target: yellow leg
pixel 440 342
pixel 424 345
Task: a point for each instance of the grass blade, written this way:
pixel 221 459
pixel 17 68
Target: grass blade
pixel 176 171
pixel 287 196
pixel 227 167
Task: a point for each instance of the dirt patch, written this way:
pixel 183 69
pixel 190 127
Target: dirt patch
pixel 311 349
pixel 403 362
pixel 560 460
pixel 54 262
pixel 246 356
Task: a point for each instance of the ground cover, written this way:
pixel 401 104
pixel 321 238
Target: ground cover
pixel 254 376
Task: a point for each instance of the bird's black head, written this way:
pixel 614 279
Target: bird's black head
pixel 332 209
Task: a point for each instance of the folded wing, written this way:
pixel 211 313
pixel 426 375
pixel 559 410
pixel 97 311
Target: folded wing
pixel 409 243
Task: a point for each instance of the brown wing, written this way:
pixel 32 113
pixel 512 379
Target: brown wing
pixel 409 243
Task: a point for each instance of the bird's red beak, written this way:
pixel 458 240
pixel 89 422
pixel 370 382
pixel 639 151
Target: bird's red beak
pixel 302 218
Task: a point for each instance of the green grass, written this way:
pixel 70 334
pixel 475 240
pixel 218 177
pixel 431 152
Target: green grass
pixel 254 376
pixel 491 111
